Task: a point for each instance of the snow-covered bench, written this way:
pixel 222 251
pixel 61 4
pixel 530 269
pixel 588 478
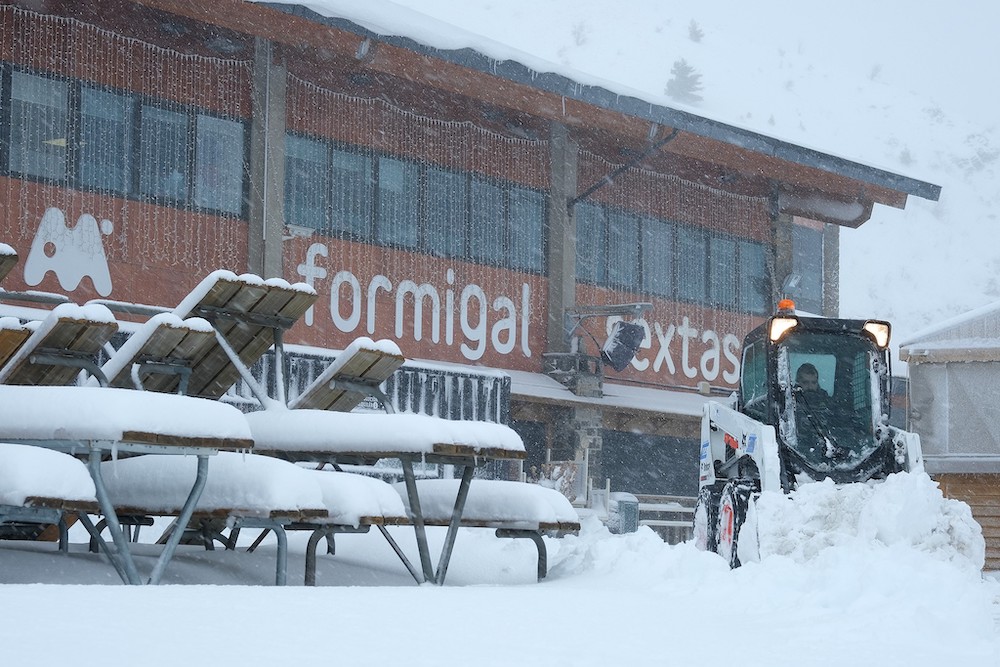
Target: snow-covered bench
pixel 251 491
pixel 324 436
pixel 40 487
pixel 95 422
pixel 161 354
pixel 513 509
pixel 67 340
pixel 356 373
pixel 249 315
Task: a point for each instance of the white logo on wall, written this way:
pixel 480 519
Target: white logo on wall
pixel 70 253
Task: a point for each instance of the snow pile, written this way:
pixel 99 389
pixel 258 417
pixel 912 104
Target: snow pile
pixel 493 500
pixel 349 497
pixel 98 413
pixel 248 482
pixel 284 430
pixel 905 511
pixel 27 472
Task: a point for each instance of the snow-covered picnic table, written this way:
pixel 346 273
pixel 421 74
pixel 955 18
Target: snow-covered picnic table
pixel 323 436
pixel 96 422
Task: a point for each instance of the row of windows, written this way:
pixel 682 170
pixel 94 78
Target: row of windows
pixel 411 205
pixel 678 262
pixel 70 132
pixel 92 138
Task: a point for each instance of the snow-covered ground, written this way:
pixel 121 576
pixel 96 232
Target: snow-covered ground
pixel 856 583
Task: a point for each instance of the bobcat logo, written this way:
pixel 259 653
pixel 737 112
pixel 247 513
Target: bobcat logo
pixel 69 253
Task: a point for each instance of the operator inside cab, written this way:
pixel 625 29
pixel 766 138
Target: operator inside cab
pixel 807 378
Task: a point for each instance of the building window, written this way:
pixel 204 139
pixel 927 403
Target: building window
pixel 163 155
pixel 105 147
pixel 807 261
pixel 623 250
pixel 487 230
pixel 657 257
pixel 39 127
pixel 85 137
pixel 218 176
pixel 722 265
pixel 527 229
pixel 755 288
pixel 307 182
pixel 591 243
pixel 405 204
pixel 691 264
pixel 398 203
pixel 446 198
pixel 352 194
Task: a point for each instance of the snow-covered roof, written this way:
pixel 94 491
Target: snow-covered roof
pixel 971 336
pixel 539 387
pixel 400 26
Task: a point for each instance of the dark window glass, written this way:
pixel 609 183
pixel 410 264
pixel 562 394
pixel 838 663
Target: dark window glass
pixel 446 207
pixel 163 155
pixel 722 267
pixel 807 261
pixel 218 173
pixel 105 151
pixel 657 257
pixel 38 126
pixel 398 201
pixel 755 289
pixel 527 227
pixel 591 243
pixel 487 230
pixel 623 250
pixel 352 193
pixel 753 380
pixel 307 185
pixel 691 263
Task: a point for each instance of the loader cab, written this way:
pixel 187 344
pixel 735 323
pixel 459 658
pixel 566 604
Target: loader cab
pixel 824 386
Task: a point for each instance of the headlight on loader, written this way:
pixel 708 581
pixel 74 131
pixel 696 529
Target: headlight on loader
pixel 780 326
pixel 879 331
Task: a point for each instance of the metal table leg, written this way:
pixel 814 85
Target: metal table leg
pixel 123 558
pixel 418 520
pixel 201 477
pixel 456 519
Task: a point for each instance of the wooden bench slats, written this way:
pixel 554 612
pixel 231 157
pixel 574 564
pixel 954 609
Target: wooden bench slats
pixel 167 344
pixel 292 515
pixel 11 341
pixel 81 337
pixel 224 305
pixel 366 367
pixel 223 444
pixel 63 504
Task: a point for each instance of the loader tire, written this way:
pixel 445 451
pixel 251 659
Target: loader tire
pixel 732 514
pixel 706 518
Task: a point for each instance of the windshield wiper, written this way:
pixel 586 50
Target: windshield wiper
pixel 833 448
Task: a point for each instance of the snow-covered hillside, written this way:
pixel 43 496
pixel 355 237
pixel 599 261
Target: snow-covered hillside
pixel 901 84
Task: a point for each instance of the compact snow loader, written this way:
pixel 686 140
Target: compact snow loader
pixel 813 403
